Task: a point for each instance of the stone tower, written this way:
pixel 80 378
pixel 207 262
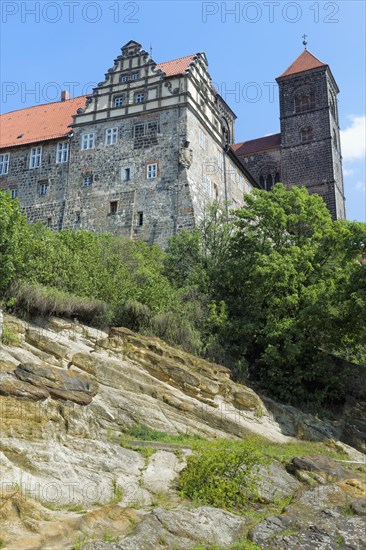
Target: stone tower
pixel 310 140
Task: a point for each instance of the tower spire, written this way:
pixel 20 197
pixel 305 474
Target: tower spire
pixel 305 42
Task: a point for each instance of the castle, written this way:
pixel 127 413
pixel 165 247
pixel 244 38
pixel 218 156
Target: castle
pixel 153 145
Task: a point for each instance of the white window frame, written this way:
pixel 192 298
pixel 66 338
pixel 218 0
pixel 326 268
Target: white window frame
pixel 135 75
pixel 35 157
pixel 202 139
pixel 119 101
pixel 87 141
pixel 14 193
pixel 43 187
pixel 208 186
pixel 139 98
pixel 111 136
pixel 62 152
pixel 152 171
pixel 124 78
pixel 4 163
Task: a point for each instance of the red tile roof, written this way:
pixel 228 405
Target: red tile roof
pixel 52 120
pixel 256 145
pixel 305 62
pixel 177 66
pixel 38 123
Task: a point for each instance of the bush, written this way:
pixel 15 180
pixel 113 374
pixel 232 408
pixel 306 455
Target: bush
pixel 39 300
pixel 222 474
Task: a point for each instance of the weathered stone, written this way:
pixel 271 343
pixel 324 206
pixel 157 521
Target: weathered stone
pixel 43 342
pixel 325 469
pixel 16 388
pixel 58 382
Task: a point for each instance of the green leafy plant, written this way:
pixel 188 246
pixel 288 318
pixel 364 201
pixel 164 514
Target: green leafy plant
pixel 222 473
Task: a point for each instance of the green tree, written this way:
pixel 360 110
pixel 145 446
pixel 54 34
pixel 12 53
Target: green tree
pixel 12 234
pixel 286 284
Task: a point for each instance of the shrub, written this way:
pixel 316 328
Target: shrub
pixel 222 473
pixel 134 315
pixel 39 300
pixel 10 337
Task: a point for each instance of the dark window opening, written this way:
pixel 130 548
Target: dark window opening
pixel 261 181
pixel 127 174
pixel 305 102
pixel 49 222
pixel 140 219
pixel 306 134
pixel 113 206
pixel 269 182
pixel 277 177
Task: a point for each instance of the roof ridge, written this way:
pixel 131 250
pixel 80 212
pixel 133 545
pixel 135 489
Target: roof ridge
pixel 179 58
pixel 42 105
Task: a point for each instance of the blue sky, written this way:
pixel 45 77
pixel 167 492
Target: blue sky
pixel 50 45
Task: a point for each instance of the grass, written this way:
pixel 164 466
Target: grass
pixel 144 433
pixel 117 492
pixel 10 337
pixel 70 507
pixel 242 544
pixel 2 543
pixel 287 451
pixel 45 301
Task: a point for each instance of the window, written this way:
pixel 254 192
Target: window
pixel 261 181
pixel 35 157
pixel 202 139
pixel 220 160
pixel 62 152
pixel 139 130
pixel 111 136
pixel 140 219
pixel 77 217
pixel 139 97
pixel 87 141
pixel 269 182
pixel 14 193
pixel 152 128
pixel 232 173
pixel 277 177
pixel 43 188
pixel 87 180
pixel 304 102
pixel 208 185
pixel 4 164
pixel 132 76
pixel 118 101
pixel 113 206
pixel 306 134
pixel 127 174
pixel 240 182
pixel 49 222
pixel 152 171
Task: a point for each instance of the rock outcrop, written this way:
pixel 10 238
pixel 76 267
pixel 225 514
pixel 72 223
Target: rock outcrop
pixel 69 477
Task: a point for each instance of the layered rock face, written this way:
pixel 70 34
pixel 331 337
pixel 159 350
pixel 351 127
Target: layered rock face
pixel 67 393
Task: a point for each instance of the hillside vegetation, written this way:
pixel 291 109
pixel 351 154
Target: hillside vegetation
pixel 266 293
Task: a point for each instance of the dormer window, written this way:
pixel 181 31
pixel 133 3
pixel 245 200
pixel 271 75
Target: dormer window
pixel 132 76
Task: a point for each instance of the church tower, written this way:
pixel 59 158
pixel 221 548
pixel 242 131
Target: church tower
pixel 310 139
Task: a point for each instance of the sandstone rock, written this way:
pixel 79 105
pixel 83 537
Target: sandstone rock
pixel 41 340
pixel 59 383
pixel 13 387
pixel 323 469
pixel 275 483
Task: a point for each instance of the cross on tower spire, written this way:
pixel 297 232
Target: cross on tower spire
pixel 304 36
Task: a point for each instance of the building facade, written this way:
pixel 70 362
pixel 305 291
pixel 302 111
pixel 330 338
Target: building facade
pixel 307 151
pixel 153 145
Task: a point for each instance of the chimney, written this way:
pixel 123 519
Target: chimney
pixel 65 95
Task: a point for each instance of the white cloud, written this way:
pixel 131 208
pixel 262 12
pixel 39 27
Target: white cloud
pixel 353 139
pixel 360 186
pixel 348 171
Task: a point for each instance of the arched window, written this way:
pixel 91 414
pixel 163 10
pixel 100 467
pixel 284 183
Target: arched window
pixel 306 134
pixel 261 181
pixel 269 182
pixel 304 102
pixel 277 177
